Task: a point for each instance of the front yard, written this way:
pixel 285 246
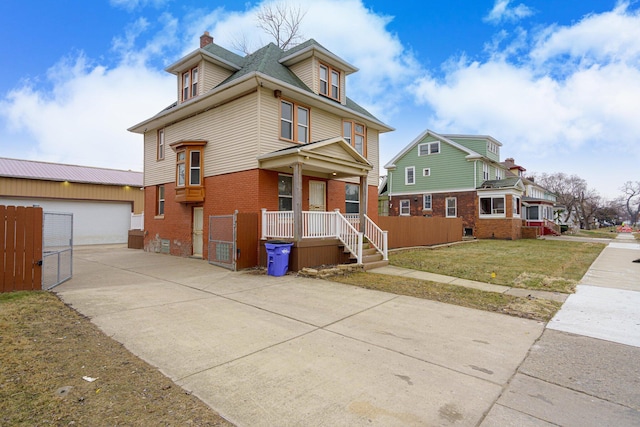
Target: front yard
pixel 549 265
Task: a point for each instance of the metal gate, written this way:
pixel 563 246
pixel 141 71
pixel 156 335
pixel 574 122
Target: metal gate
pixel 57 248
pixel 222 240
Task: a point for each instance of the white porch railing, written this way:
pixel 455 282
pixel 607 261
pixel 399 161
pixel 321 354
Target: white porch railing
pixel 279 225
pixel 137 221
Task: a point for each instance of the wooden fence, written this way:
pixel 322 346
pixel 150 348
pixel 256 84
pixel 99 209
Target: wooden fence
pixel 21 249
pixel 408 231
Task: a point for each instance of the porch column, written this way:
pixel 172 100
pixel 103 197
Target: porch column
pixel 363 200
pixel 297 201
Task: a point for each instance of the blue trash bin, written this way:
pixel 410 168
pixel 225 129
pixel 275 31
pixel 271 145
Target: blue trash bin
pixel 278 257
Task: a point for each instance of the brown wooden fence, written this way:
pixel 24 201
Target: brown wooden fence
pixel 408 231
pixel 21 249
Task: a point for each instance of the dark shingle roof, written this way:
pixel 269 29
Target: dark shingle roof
pixel 500 183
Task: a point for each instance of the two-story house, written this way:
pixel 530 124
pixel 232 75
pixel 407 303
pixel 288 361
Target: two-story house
pixel 539 205
pixel 272 133
pixel 456 176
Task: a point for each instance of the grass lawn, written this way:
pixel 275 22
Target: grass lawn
pixel 531 264
pixel 600 233
pixel 45 350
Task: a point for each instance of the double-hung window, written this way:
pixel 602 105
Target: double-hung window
pixel 160 150
pixel 354 134
pixel 329 82
pixel 405 207
pixel 410 175
pixel 492 205
pixel 451 204
pixel 294 122
pixel 160 198
pixel 189 84
pixel 428 148
pixel 515 201
pixel 485 171
pixel 285 193
pixel 352 198
pixel 426 202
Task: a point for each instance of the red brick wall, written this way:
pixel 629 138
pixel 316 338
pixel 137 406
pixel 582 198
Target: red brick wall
pixel 247 191
pixel 499 228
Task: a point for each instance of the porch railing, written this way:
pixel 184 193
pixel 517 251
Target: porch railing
pixel 377 237
pixel 279 225
pixel 137 221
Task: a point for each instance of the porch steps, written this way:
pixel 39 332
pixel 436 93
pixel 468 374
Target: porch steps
pixel 371 258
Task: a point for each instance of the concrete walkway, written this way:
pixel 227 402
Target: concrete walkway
pixel 584 370
pixel 290 351
pixel 489 287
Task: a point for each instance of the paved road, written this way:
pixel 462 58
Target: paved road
pixel 290 351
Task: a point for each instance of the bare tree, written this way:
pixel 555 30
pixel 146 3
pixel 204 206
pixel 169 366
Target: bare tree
pixel 278 20
pixel 631 196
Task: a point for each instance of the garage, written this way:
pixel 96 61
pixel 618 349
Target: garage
pixel 94 222
pixel 101 200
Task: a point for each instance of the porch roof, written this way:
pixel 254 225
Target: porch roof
pixel 329 158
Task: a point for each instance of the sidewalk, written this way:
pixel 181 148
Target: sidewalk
pixel 489 287
pixel 584 369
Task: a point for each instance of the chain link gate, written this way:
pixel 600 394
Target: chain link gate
pixel 57 248
pixel 222 240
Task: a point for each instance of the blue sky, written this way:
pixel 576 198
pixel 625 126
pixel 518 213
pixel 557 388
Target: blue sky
pixel 557 82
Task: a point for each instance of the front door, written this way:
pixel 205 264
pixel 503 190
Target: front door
pixel 317 196
pixel 198 219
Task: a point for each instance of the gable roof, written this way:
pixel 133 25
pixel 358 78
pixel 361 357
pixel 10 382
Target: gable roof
pixel 334 157
pixel 29 169
pixel 268 64
pixel 470 153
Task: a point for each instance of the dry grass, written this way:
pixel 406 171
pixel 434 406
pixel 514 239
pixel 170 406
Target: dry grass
pixel 529 308
pixel 531 264
pixel 46 349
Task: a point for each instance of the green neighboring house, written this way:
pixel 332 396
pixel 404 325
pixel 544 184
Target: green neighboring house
pixel 456 176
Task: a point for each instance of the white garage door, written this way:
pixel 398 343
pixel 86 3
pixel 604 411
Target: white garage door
pixel 93 222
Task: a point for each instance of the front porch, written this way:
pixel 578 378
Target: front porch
pixel 326 230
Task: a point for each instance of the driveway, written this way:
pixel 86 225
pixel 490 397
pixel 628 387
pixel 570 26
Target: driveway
pixel 286 351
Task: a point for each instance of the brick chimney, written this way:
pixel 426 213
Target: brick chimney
pixel 510 162
pixel 205 39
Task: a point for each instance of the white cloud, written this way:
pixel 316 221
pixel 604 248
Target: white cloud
pixel 131 5
pixel 502 12
pixel 83 120
pixel 572 96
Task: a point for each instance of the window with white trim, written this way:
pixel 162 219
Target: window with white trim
pixel 492 205
pixel 294 122
pixel 498 173
pixel 285 192
pixel 428 148
pixel 451 204
pixel 485 171
pixel 405 207
pixel 426 202
pixel 410 175
pixel 426 172
pixel 352 198
pixel 515 201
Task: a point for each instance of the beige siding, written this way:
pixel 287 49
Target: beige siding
pixel 212 76
pixel 17 187
pixel 334 151
pixel 305 72
pixel 325 125
pixel 157 171
pixel 373 155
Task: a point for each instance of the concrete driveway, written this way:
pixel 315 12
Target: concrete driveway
pixel 287 351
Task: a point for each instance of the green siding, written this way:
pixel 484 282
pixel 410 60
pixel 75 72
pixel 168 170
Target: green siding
pixel 449 170
pixel 479 145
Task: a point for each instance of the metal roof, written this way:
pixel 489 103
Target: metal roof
pixel 29 169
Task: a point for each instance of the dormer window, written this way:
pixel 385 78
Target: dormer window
pixel 190 84
pixel 329 82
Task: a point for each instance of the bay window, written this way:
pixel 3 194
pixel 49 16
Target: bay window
pixel 189 173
